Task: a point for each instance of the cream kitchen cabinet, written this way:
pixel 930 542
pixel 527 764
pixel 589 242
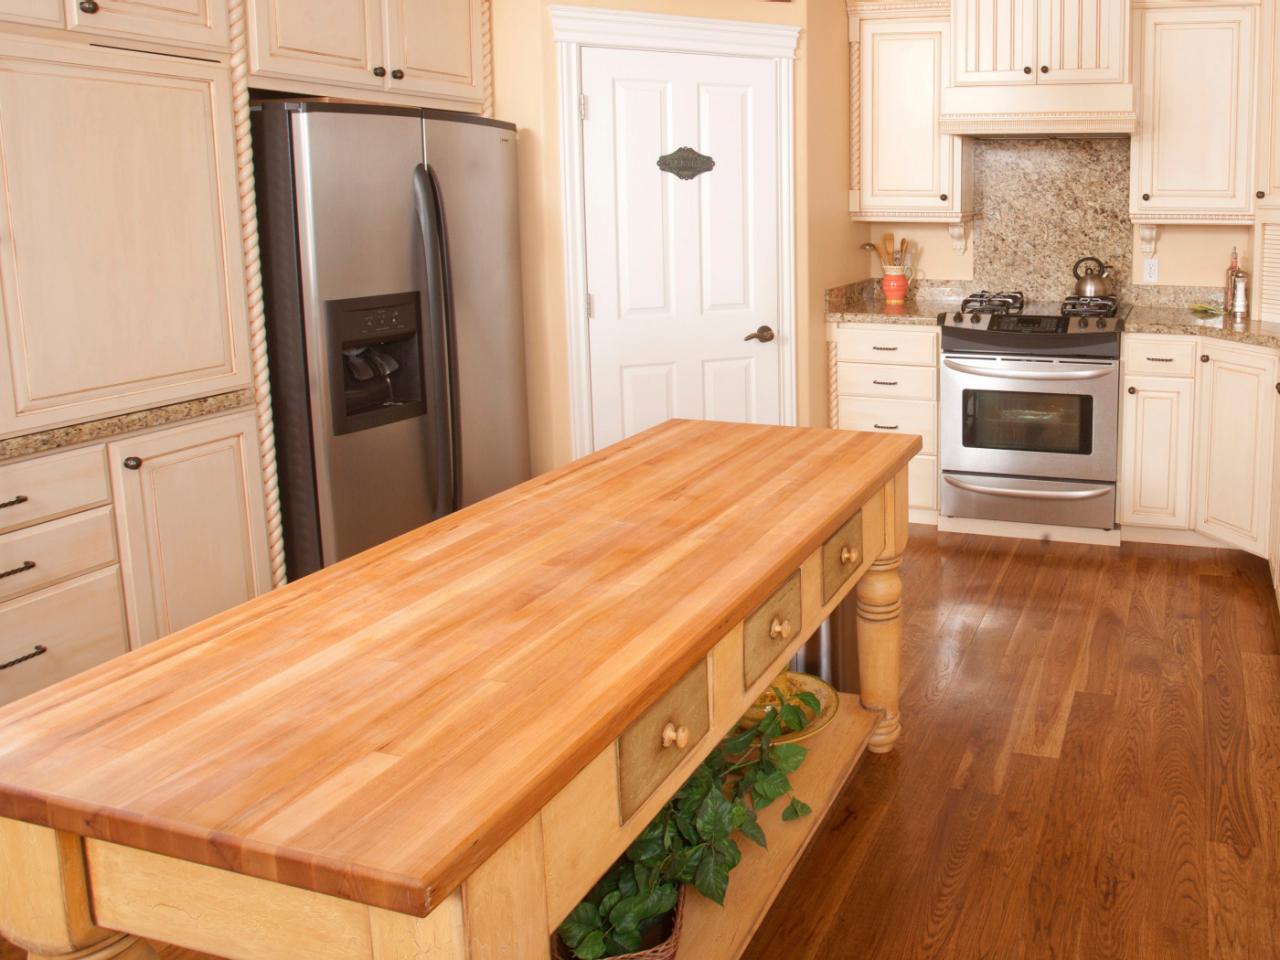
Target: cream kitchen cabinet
pixel 45 13
pixel 191 522
pixel 422 48
pixel 188 23
pixel 1156 443
pixel 121 266
pixel 910 170
pixel 1192 157
pixel 1267 168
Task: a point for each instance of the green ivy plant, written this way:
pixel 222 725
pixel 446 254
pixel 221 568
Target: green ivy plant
pixel 691 840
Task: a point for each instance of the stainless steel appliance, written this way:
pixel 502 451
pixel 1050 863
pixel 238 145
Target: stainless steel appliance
pixel 391 276
pixel 1029 409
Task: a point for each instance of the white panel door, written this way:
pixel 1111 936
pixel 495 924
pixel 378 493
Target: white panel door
pixel 680 270
pixel 1082 41
pixel 1236 401
pixel 1155 481
pixel 995 42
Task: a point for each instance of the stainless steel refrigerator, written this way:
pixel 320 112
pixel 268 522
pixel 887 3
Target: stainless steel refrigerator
pixel 391 276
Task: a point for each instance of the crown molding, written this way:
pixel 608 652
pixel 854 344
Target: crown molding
pixel 1192 219
pixel 912 216
pixel 862 8
pixel 619 29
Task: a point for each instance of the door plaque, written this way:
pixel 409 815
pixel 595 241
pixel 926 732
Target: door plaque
pixel 686 163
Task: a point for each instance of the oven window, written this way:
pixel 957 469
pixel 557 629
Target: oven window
pixel 1034 422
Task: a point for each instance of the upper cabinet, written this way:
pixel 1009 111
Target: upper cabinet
pixel 403 48
pixel 1039 67
pixel 45 13
pixel 1192 158
pixel 195 24
pixel 121 268
pixel 1267 169
pixel 909 169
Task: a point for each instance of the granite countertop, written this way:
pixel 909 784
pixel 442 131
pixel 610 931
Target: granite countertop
pixel 1179 320
pixel 923 313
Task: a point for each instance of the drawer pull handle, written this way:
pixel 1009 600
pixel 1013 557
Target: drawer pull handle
pixel 13 502
pixel 848 555
pixel 40 649
pixel 881 426
pixel 779 629
pixel 673 736
pixel 1161 359
pixel 885 349
pixel 25 566
pixel 885 383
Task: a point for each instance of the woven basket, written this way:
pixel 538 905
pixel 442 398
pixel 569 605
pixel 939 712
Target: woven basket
pixel 666 950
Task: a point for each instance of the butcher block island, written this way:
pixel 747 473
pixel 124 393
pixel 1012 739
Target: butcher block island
pixel 435 748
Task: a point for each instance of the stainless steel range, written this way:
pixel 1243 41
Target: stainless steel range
pixel 1029 409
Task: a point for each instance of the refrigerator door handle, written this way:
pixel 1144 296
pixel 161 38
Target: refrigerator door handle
pixel 439 322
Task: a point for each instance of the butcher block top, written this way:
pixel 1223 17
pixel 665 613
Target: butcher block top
pixel 376 730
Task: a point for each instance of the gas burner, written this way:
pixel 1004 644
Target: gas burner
pixel 1089 307
pixel 987 302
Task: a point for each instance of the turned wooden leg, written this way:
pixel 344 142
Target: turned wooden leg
pixel 44 899
pixel 879 606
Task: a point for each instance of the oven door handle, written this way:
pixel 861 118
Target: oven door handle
pixel 1095 374
pixel 1027 494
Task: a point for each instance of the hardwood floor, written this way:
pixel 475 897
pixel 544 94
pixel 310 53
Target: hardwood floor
pixel 1089 769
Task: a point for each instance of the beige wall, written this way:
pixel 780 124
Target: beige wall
pixel 526 94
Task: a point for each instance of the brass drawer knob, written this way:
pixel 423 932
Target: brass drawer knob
pixel 780 629
pixel 847 555
pixel 673 736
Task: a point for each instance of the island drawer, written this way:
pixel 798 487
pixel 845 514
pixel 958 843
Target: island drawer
pixel 885 380
pixel 38 556
pixel 1159 356
pixel 661 738
pixel 32 491
pixel 768 631
pixel 913 346
pixel 841 556
pixel 56 633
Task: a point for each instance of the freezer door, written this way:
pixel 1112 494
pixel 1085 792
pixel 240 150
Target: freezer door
pixel 360 243
pixel 473 162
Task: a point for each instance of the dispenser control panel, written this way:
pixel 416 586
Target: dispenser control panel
pixel 383 320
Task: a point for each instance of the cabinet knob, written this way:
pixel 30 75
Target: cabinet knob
pixel 379 71
pixel 1204 358
pixel 1278 388
pixel 1044 69
pixel 847 556
pixel 1027 71
pixel 397 74
pixel 1133 389
pixel 780 629
pixel 1261 194
pixel 1146 196
pixel 88 6
pixel 673 736
pixel 132 463
pixel 942 196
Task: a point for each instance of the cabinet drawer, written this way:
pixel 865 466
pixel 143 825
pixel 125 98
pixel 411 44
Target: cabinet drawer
pixel 922 483
pixel 841 556
pixel 882 380
pixel 905 345
pixel 766 633
pixel 892 416
pixel 35 490
pixel 1159 356
pixel 654 745
pixel 78 624
pixel 53 551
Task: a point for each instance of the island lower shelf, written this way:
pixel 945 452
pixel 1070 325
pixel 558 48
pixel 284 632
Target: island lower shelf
pixel 712 932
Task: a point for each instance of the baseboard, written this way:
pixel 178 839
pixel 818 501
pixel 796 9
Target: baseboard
pixel 1029 531
pixel 922 515
pixel 1176 538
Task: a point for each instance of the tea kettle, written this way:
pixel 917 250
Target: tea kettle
pixel 1092 283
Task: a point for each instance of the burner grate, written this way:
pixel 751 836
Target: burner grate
pixel 1089 307
pixel 985 301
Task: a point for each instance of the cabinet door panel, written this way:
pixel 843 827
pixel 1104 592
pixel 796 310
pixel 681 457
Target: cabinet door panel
pixel 1156 444
pixel 1082 41
pixel 195 23
pixel 191 521
pixel 1267 177
pixel 46 13
pixel 995 41
pixel 334 41
pixel 437 45
pixel 1236 412
pixel 1197 90
pixel 120 257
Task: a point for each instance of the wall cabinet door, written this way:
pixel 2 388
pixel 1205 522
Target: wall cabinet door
pixel 1082 41
pixel 908 165
pixel 1156 452
pixel 1236 401
pixel 46 13
pixel 190 23
pixel 1193 151
pixel 1267 175
pixel 436 44
pixel 121 269
pixel 995 42
pixel 332 41
pixel 191 522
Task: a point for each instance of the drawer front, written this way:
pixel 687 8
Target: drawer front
pixel 654 745
pixel 841 556
pixel 768 631
pixel 38 556
pixel 896 345
pixel 1160 356
pixel 883 380
pixel 33 491
pixel 71 627
pixel 922 482
pixel 892 416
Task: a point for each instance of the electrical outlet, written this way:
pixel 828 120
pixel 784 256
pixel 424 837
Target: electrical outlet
pixel 1150 270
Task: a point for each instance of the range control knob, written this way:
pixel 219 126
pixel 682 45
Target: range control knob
pixel 1102 324
pixel 975 319
pixel 1083 323
pixel 958 318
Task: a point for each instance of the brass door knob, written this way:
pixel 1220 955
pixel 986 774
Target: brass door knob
pixel 780 629
pixel 847 555
pixel 673 736
pixel 763 334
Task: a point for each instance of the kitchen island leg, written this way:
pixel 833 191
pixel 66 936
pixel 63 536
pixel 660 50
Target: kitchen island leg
pixel 879 616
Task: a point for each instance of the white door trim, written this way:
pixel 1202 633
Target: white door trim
pixel 577 27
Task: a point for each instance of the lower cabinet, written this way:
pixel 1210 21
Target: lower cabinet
pixel 191 521
pixel 1155 486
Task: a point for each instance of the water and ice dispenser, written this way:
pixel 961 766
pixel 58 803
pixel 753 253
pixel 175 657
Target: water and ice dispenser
pixel 375 353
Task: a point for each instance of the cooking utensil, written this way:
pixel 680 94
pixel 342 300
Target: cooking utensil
pixel 902 253
pixel 876 250
pixel 1092 283
pixel 887 242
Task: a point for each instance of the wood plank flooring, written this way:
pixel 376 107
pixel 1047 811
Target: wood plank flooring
pixel 1090 767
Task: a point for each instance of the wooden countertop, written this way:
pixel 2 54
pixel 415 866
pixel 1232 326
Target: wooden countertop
pixel 377 730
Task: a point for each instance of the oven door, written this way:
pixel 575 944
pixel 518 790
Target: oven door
pixel 1047 417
